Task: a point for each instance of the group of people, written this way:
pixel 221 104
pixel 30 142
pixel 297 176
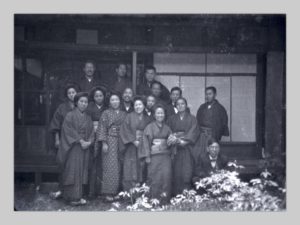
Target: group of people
pixel 109 140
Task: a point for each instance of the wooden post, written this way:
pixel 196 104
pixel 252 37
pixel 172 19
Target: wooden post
pixel 134 67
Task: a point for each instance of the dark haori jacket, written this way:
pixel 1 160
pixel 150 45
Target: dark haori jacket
pixel 59 115
pixel 94 111
pixel 215 118
pixel 145 90
pixel 123 108
pixel 86 86
pixel 76 126
pixel 204 167
pixel 122 84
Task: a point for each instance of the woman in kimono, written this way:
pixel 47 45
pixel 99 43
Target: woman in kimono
pixel 95 110
pixel 57 121
pixel 185 133
pixel 157 154
pixel 108 134
pixel 131 134
pixel 77 135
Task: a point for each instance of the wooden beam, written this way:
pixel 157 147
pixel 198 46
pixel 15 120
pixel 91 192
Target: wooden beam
pixel 54 46
pixel 134 68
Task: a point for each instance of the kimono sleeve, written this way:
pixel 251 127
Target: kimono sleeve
pixel 69 136
pixel 225 129
pixel 199 170
pixel 127 133
pixel 57 120
pixel 147 140
pixel 193 132
pixel 102 130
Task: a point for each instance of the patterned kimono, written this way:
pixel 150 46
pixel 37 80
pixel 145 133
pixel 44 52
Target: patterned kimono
pixel 76 126
pixel 133 168
pixel 159 169
pixel 95 163
pixel 108 131
pixel 187 130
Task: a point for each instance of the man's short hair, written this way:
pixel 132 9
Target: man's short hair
pixel 210 141
pixel 150 68
pixel 156 82
pixel 121 63
pixel 176 89
pixel 211 88
pixel 89 61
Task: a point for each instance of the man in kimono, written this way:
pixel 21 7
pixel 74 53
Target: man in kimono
pixel 90 78
pixel 209 161
pixel 127 97
pixel 122 81
pixel 212 120
pixel 144 88
pixel 176 93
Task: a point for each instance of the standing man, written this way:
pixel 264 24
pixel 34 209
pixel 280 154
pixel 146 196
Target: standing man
pixel 122 81
pixel 176 93
pixel 212 119
pixel 145 87
pixel 89 79
pixel 127 100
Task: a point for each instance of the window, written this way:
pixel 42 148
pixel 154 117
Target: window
pixel 234 76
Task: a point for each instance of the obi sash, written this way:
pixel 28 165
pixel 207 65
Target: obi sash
pixel 114 131
pixel 95 123
pixel 139 135
pixel 159 146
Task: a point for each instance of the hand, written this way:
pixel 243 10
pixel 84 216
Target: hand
pixel 148 160
pixel 104 147
pixel 57 143
pixel 85 144
pixel 182 142
pixel 136 143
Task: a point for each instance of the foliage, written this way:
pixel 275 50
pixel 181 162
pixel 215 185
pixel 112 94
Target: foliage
pixel 222 191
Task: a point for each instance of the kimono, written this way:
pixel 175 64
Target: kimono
pixel 213 123
pixel 144 89
pixel 133 168
pixel 205 166
pixel 108 131
pixel 59 115
pixel 95 161
pixel 76 126
pixel 183 161
pixel 86 86
pixel 128 110
pixel 159 169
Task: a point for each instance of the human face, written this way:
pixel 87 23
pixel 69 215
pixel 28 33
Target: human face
pixel 121 70
pixel 150 102
pixel 114 101
pixel 98 97
pixel 89 69
pixel 213 150
pixel 150 75
pixel 156 90
pixel 159 115
pixel 127 95
pixel 82 103
pixel 71 94
pixel 180 105
pixel 175 95
pixel 139 106
pixel 209 95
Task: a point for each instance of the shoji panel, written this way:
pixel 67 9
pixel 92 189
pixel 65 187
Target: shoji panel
pixel 179 62
pixel 193 88
pixel 168 80
pixel 231 63
pixel 243 109
pixel 222 84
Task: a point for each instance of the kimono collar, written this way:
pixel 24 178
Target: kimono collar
pixel 89 79
pixel 98 106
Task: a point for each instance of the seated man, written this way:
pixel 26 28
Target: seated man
pixel 210 161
